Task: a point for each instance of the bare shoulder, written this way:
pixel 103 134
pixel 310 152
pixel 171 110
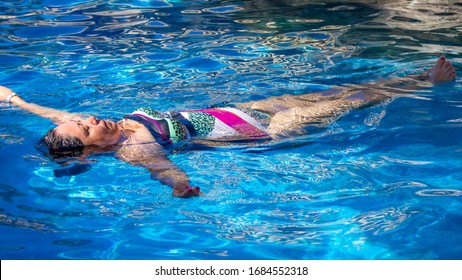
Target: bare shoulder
pixel 141 146
pixel 138 132
pixel 140 153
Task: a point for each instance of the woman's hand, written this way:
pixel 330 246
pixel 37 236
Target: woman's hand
pixel 186 191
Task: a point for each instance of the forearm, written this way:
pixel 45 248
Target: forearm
pixel 42 111
pixel 177 179
pixel 172 177
pixel 160 167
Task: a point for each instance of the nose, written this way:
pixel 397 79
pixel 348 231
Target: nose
pixel 92 120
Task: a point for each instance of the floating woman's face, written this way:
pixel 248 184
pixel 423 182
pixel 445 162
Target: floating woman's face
pixel 91 131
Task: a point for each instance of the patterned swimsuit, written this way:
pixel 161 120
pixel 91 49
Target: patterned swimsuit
pixel 220 124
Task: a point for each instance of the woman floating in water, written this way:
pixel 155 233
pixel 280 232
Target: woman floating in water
pixel 145 137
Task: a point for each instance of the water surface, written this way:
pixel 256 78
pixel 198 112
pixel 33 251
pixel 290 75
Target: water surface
pixel 381 183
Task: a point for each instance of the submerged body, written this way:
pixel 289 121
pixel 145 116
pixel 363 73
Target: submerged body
pixel 146 136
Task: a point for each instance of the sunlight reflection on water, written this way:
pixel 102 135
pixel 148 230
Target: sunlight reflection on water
pixel 376 184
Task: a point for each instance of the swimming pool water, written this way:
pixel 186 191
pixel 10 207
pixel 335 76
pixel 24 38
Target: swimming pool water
pixel 380 183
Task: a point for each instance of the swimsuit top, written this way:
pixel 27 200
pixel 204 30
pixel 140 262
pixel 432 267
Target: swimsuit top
pixel 224 124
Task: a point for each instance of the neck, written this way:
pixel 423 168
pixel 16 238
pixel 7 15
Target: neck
pixel 126 130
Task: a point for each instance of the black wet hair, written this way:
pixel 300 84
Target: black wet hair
pixel 67 151
pixel 62 146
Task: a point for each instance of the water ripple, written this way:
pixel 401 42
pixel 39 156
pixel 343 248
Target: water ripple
pixel 224 9
pixel 379 183
pixel 383 221
pixel 439 192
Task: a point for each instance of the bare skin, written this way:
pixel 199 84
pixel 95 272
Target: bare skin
pixel 290 114
pixel 135 143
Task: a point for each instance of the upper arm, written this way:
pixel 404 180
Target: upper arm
pixel 153 157
pixel 142 154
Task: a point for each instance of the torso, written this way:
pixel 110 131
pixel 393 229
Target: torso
pixel 177 128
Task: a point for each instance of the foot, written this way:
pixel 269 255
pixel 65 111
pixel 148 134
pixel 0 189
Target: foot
pixel 443 71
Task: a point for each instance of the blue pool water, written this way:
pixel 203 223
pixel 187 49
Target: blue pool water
pixel 380 183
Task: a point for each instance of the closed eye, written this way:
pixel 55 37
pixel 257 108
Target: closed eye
pixel 84 128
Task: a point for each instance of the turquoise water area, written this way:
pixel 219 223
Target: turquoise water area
pixel 380 183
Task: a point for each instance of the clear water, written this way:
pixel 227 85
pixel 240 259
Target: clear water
pixel 381 183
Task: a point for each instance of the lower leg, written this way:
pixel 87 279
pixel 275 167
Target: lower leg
pixel 441 72
pixel 327 110
pixel 376 92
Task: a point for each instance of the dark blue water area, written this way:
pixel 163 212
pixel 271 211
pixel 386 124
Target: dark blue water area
pixel 382 182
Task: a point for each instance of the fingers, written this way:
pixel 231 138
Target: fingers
pixel 187 192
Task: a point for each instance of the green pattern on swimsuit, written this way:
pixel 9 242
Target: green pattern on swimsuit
pixel 203 123
pixel 153 113
pixel 178 132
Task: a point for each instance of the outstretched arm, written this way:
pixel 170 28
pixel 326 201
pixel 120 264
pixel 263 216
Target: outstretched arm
pixel 57 116
pixel 161 168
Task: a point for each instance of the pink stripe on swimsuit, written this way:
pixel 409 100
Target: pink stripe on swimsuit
pixel 235 122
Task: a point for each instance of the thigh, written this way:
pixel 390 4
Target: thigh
pixel 293 120
pixel 277 104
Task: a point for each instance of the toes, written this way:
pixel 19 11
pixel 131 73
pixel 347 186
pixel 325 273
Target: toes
pixel 447 65
pixel 440 61
pixel 443 71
